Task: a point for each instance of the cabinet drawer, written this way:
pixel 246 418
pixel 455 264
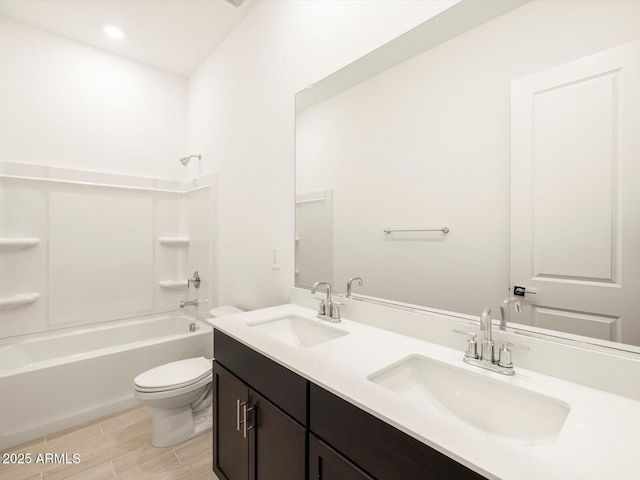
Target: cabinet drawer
pixel 375 446
pixel 280 385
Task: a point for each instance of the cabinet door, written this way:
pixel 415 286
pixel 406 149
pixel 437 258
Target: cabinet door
pixel 381 449
pixel 278 451
pixel 230 447
pixel 327 464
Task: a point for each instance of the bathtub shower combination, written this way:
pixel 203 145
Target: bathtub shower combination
pixel 54 380
pixel 93 269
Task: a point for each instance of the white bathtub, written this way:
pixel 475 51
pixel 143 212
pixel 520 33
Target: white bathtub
pixel 55 380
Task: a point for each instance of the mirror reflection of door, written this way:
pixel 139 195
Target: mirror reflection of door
pixel 314 238
pixel 575 219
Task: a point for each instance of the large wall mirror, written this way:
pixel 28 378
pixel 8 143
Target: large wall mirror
pixel 493 147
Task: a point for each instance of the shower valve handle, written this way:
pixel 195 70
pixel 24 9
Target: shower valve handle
pixel 195 280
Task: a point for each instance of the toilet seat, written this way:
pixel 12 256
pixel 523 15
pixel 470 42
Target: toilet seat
pixel 186 374
pixel 142 394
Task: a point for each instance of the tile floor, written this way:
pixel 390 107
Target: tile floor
pixel 114 447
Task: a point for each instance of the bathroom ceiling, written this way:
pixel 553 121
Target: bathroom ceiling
pixel 172 35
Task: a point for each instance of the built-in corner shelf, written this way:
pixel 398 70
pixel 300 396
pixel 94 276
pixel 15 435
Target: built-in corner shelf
pixel 173 284
pixel 174 240
pixel 16 243
pixel 20 299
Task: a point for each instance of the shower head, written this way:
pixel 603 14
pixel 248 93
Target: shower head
pixel 185 160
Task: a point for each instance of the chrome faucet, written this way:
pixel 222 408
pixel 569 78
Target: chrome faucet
pixel 505 312
pixel 188 303
pixel 327 310
pixel 351 280
pixel 487 358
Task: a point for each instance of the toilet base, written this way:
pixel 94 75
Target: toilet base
pixel 176 425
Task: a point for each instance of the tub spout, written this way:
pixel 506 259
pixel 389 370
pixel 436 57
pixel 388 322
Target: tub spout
pixel 188 303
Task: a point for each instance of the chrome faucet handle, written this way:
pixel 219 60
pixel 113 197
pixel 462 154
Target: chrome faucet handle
pixel 334 311
pixel 322 307
pixel 505 354
pixel 472 346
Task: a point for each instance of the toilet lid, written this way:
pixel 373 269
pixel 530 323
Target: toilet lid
pixel 175 374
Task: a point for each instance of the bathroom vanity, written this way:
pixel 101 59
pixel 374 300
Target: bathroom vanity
pixel 297 397
pixel 260 436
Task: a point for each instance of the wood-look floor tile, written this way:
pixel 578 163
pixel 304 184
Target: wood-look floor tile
pixel 99 450
pixel 86 440
pixel 70 436
pixel 21 472
pixel 119 445
pixel 152 469
pixel 201 464
pixel 104 471
pixel 195 447
pixel 208 476
pixel 128 417
pixel 138 457
pixel 62 442
pixel 195 468
pixel 19 475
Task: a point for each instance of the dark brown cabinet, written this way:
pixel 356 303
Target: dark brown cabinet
pixel 377 447
pixel 255 435
pixel 280 443
pixel 327 464
pixel 272 424
pixel 231 448
pixel 254 439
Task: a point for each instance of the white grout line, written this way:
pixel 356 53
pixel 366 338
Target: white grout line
pixel 176 455
pixel 113 469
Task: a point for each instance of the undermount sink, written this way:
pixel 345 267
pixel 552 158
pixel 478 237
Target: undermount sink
pixel 495 407
pixel 298 331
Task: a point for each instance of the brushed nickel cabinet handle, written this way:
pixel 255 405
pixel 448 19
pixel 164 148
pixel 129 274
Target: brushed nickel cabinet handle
pixel 238 415
pixel 246 409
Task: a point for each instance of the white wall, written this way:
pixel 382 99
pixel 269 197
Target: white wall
pixel 69 105
pixel 241 118
pixel 427 144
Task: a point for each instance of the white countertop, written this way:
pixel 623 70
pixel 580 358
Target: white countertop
pixel 598 440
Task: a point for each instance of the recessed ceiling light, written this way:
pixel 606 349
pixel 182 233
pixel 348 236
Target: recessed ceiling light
pixel 113 31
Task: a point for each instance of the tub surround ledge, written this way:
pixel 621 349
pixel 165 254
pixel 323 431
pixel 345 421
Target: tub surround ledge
pixel 18 299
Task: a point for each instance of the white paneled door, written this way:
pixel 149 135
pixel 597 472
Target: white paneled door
pixel 575 195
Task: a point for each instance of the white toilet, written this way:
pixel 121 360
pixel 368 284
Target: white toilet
pixel 180 394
